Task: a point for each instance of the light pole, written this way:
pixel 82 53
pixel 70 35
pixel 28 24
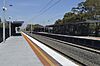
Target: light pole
pixel 31 29
pixel 4 19
pixel 10 24
pixel 9 27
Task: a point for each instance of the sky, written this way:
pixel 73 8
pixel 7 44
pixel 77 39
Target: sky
pixel 30 10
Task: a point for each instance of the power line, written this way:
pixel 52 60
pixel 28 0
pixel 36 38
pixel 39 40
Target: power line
pixel 43 9
pixel 50 7
pixel 46 5
pixel 47 9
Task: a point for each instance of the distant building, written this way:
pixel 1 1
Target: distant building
pixel 86 28
pixel 15 27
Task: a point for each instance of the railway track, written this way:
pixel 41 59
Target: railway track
pixel 79 55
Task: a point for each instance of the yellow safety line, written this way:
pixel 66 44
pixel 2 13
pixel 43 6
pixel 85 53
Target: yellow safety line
pixel 51 63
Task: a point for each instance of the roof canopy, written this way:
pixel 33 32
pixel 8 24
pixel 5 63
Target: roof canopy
pixel 17 23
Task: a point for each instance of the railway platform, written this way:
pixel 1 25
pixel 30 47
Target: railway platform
pixel 16 52
pixel 26 51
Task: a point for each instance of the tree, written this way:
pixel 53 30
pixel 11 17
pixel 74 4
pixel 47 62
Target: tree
pixel 79 9
pixel 34 26
pixel 93 7
pixel 28 27
pixel 90 9
pixel 59 21
pixel 74 10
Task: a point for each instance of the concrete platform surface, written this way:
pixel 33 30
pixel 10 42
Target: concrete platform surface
pixel 17 52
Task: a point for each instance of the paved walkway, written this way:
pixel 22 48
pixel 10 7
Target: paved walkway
pixel 17 52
